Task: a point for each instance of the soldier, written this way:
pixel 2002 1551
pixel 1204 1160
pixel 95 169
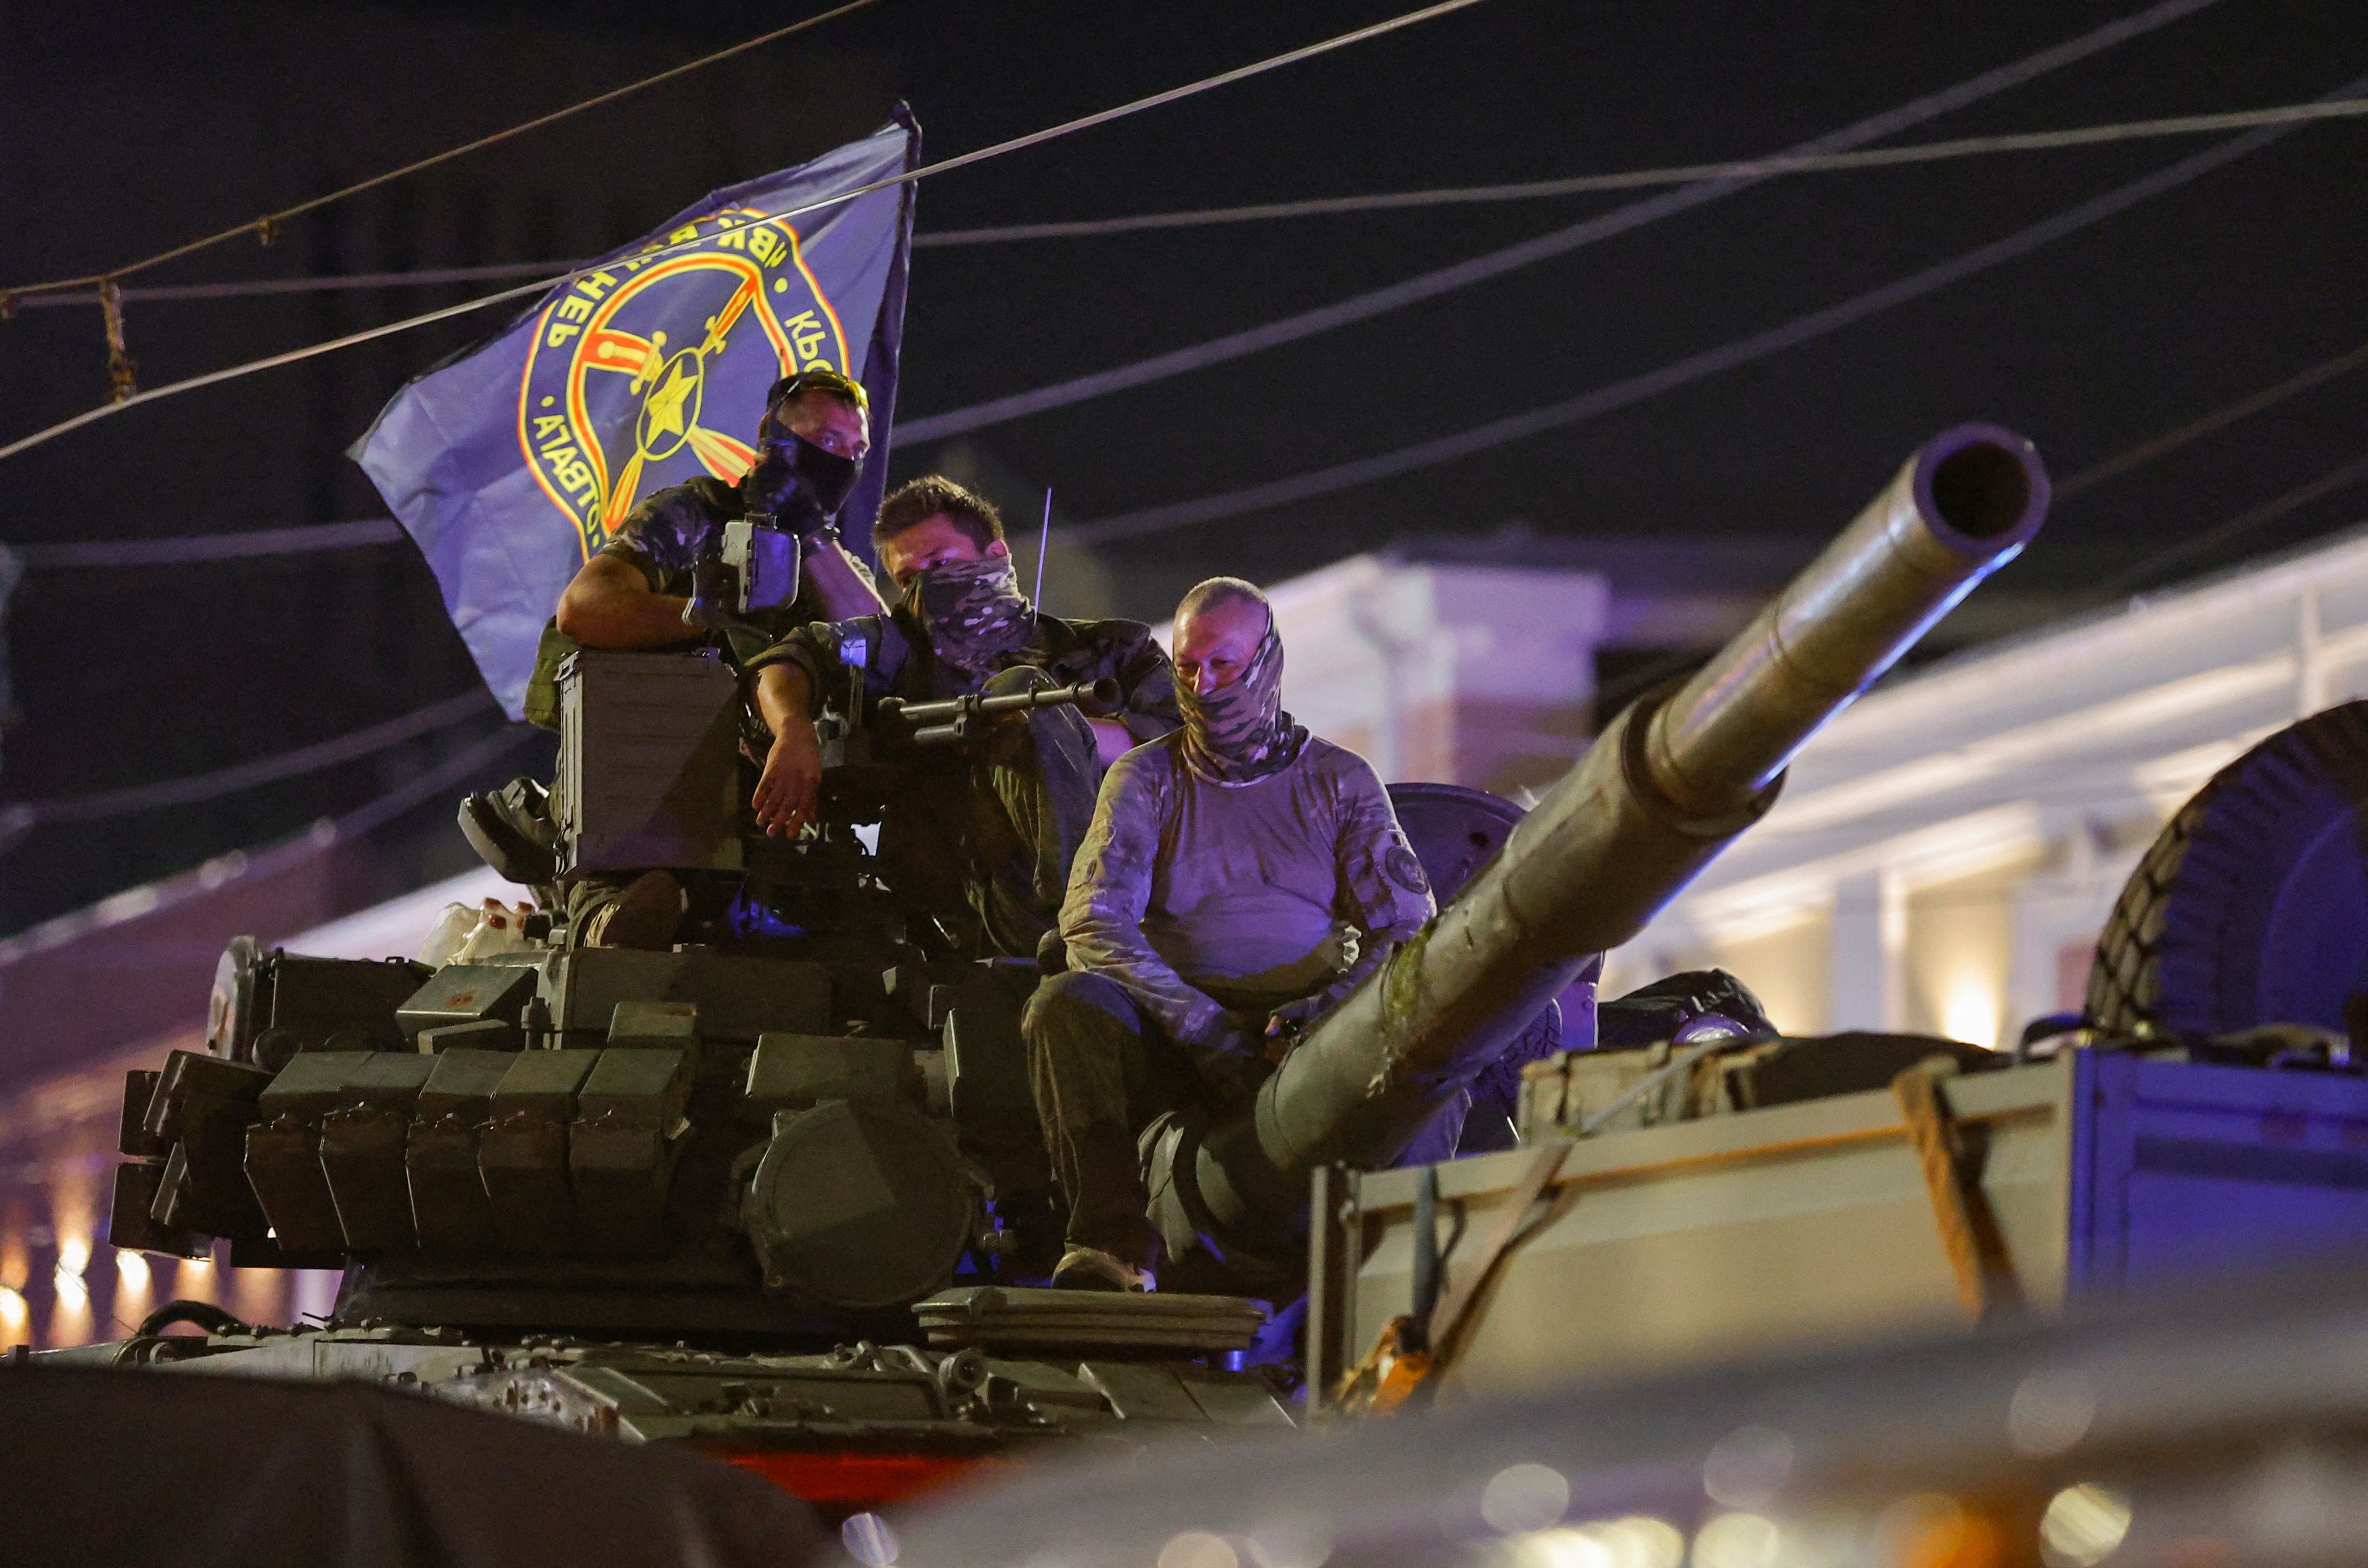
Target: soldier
pixel 1240 876
pixel 639 591
pixel 982 839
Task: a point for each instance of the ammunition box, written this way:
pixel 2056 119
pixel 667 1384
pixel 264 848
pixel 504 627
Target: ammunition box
pixel 667 790
pixel 987 1067
pixel 522 1155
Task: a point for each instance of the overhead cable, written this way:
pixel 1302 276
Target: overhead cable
pixel 333 282
pixel 2251 520
pixel 1386 201
pixel 242 866
pixel 1683 372
pixel 1677 174
pixel 196 548
pixel 2170 440
pixel 267 227
pixel 1014 145
pixel 270 362
pixel 188 549
pixel 1561 241
pixel 18 817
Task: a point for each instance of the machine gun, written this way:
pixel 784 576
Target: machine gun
pixel 869 748
pixel 948 722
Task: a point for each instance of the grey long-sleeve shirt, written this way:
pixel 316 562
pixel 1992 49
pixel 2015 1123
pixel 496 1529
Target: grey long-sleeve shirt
pixel 1196 895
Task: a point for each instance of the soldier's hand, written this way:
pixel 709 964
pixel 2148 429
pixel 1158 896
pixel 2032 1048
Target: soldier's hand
pixel 788 789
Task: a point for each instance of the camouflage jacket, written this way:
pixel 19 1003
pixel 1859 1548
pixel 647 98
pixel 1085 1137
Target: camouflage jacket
pixel 663 538
pixel 1198 895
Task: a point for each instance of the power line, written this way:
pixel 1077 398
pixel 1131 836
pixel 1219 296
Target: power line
pixel 1561 241
pixel 247 288
pixel 1388 201
pixel 250 866
pixel 20 817
pixel 2268 512
pixel 267 227
pixel 200 548
pixel 272 362
pixel 1682 372
pixel 190 549
pixel 2172 440
pixel 1014 145
pixel 1678 174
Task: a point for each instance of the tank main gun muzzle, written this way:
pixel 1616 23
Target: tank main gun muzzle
pixel 1669 783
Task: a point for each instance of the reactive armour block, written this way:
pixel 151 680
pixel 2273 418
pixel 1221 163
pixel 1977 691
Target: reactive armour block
pixel 523 1154
pixel 202 1108
pixel 362 1153
pixel 794 1071
pixel 468 994
pixel 620 1149
pixel 448 1195
pixel 283 1150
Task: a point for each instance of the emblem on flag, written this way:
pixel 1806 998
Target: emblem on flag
pixel 514 463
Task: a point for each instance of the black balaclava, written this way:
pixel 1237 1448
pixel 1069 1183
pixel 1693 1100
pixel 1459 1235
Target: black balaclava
pixel 1239 732
pixel 796 483
pixel 973 610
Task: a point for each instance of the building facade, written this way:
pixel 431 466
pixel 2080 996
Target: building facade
pixel 1945 852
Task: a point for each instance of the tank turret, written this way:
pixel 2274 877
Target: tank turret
pixel 1669 784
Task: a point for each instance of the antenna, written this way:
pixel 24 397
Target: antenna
pixel 1044 543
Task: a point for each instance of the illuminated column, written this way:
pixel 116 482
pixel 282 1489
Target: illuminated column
pixel 71 1203
pixel 1869 985
pixel 70 1310
pixel 133 1284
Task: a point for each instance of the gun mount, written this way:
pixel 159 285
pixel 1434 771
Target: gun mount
pixel 1669 782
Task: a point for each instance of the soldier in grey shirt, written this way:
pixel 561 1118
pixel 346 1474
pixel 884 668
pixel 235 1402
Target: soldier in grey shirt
pixel 1240 876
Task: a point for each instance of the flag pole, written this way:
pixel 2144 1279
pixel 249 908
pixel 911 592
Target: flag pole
pixel 1044 543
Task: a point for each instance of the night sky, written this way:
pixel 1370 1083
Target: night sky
pixel 2092 344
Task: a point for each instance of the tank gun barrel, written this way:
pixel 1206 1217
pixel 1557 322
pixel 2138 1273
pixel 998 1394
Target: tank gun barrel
pixel 1669 783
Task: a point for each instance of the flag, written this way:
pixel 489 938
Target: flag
pixel 513 463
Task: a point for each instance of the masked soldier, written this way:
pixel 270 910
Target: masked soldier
pixel 642 591
pixel 1239 877
pixel 982 838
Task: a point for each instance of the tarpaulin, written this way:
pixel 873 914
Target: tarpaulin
pixel 512 463
pixel 212 1472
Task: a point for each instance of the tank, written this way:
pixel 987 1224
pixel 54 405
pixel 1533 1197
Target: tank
pixel 781 1192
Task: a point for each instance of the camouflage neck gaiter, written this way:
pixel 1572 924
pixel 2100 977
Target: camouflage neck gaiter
pixel 973 610
pixel 1238 732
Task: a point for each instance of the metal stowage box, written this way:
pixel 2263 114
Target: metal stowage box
pixel 649 766
pixel 1812 1222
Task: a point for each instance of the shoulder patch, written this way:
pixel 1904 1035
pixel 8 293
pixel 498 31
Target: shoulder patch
pixel 1404 869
